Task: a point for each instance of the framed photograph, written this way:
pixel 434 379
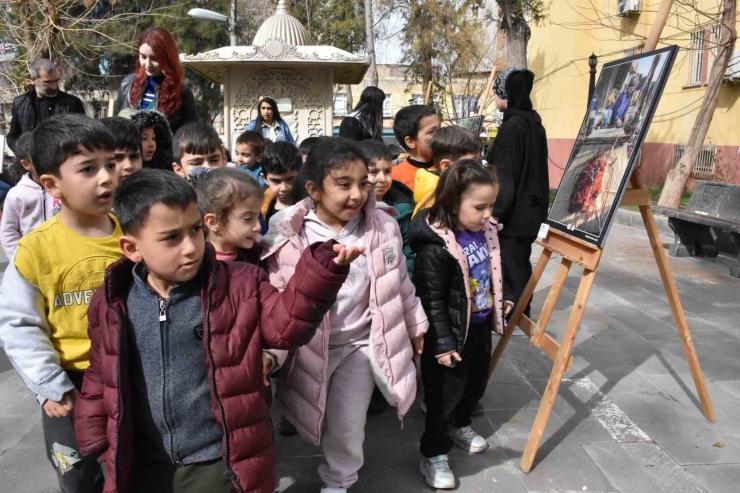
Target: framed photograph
pixel 608 144
pixel 474 123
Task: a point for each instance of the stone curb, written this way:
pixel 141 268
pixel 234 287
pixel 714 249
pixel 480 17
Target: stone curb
pixel 634 219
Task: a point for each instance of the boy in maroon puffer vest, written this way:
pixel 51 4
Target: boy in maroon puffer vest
pixel 173 396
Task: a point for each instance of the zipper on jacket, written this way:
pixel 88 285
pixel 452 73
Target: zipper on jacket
pixel 118 378
pixel 163 338
pixel 227 453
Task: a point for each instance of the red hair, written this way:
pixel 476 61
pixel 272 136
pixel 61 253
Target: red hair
pixel 166 54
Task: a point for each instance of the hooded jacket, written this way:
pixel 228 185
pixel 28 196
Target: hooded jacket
pixel 442 280
pixel 186 113
pixel 397 316
pixel 27 205
pixel 162 158
pixel 519 154
pixel 241 312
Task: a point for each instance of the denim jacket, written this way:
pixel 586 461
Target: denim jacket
pixel 283 130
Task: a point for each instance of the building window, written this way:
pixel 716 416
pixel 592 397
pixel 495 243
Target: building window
pixel 388 106
pixel 417 99
pixel 704 167
pixel 340 104
pixel 634 51
pixel 696 58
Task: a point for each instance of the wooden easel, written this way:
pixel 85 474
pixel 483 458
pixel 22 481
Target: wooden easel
pixel 575 251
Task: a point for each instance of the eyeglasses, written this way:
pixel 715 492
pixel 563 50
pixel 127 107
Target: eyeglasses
pixel 47 83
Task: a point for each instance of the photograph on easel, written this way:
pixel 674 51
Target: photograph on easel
pixel 608 144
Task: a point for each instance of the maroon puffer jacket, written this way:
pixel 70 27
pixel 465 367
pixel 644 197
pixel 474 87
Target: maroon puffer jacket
pixel 241 312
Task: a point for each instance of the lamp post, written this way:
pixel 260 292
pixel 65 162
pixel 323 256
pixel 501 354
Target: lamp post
pixel 209 15
pixel 593 61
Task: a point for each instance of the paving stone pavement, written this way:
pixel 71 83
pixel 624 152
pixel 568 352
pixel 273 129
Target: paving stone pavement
pixel 626 419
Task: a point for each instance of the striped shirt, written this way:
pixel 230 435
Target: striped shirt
pixel 147 102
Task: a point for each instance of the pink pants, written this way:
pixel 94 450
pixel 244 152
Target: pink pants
pixel 351 385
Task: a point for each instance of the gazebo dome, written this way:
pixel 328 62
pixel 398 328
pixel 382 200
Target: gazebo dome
pixel 282 26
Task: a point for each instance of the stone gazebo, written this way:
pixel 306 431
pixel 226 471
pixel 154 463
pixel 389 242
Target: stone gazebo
pixel 284 64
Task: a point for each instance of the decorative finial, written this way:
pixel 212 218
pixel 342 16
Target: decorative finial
pixel 283 7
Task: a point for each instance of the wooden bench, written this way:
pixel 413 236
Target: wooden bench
pixel 714 209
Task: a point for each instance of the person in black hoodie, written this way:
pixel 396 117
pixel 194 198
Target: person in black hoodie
pixel 519 154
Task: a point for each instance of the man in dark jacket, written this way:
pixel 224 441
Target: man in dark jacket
pixel 519 154
pixel 43 100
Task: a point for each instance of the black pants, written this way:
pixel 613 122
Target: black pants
pixel 75 474
pixel 451 393
pixel 515 253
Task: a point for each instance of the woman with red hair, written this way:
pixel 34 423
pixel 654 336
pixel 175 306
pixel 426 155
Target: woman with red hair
pixel 157 82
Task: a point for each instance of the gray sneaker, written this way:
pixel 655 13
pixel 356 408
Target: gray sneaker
pixel 437 472
pixel 468 440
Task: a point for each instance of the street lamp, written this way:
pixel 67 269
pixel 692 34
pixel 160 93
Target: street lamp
pixel 593 61
pixel 209 15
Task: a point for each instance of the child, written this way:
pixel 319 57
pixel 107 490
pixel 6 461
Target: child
pixel 280 167
pixel 457 273
pixel 388 191
pixel 226 153
pixel 448 145
pixel 250 146
pixel 128 140
pixel 374 330
pixel 195 147
pixel 195 418
pixel 306 145
pixel 156 137
pixel 27 205
pixel 414 127
pixel 47 287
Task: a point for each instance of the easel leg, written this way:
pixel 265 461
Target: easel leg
pixel 519 310
pixel 558 370
pixel 675 302
pixel 678 314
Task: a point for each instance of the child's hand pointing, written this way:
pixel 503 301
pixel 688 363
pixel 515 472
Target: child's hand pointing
pixel 346 256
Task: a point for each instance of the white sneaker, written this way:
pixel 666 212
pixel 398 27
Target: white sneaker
pixel 468 440
pixel 333 490
pixel 437 472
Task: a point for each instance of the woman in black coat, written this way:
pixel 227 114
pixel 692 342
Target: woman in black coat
pixel 366 120
pixel 519 154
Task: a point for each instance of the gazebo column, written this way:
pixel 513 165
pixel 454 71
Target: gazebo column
pixel 227 107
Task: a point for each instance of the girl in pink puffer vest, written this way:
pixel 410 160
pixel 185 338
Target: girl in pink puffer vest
pixel 375 330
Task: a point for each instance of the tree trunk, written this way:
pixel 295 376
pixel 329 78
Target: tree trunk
pixel 679 175
pixel 517 33
pixel 370 39
pixel 27 27
pixel 350 104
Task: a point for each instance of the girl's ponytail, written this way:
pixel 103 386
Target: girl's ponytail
pixel 453 184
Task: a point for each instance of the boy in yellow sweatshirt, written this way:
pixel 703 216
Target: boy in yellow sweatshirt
pixel 448 145
pixel 48 285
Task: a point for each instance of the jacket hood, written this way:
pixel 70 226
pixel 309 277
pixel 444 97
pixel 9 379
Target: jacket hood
pixel 420 233
pixel 163 157
pixel 27 181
